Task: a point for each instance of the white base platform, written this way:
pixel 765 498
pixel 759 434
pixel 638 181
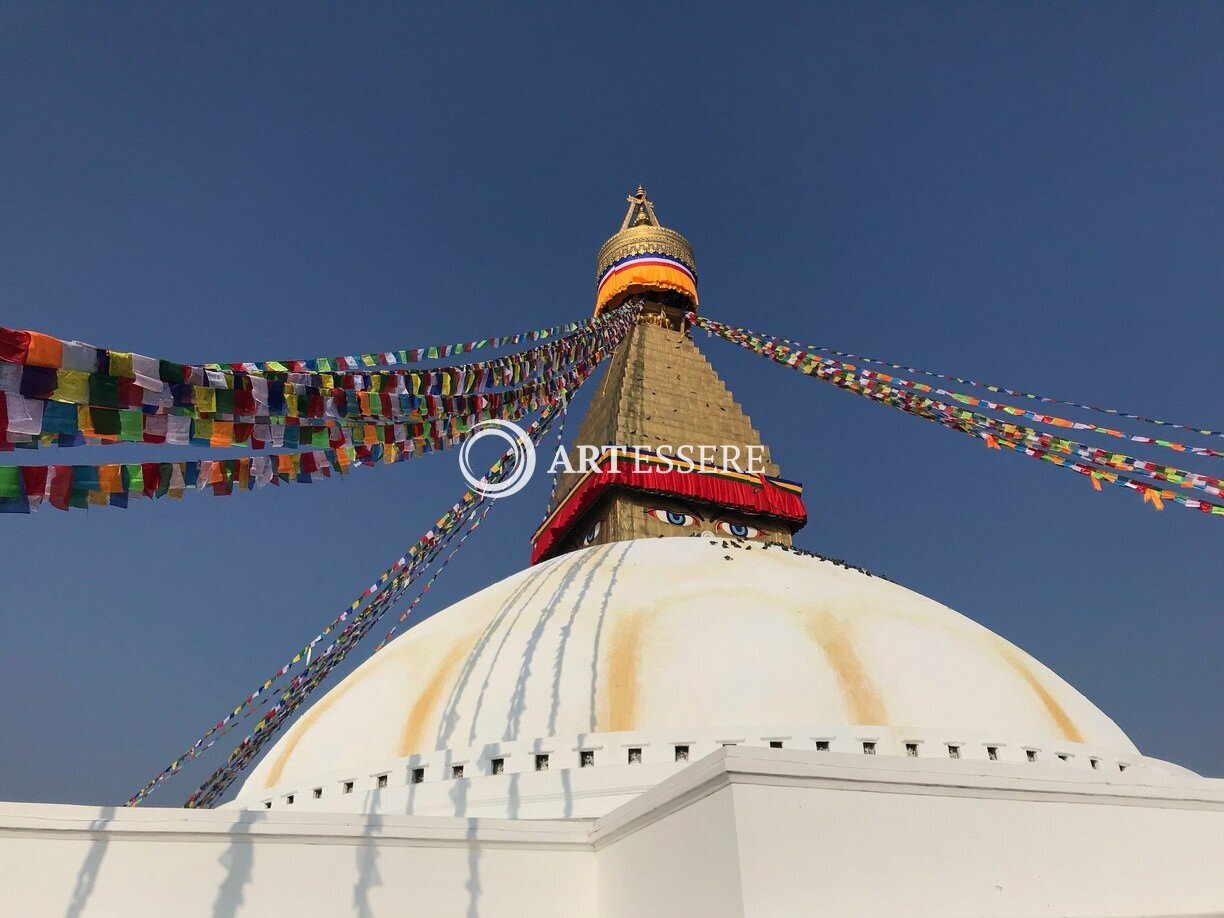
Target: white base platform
pixel 744 831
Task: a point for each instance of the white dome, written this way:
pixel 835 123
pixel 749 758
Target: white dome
pixel 682 634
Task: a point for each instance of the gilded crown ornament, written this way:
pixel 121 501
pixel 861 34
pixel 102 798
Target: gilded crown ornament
pixel 642 257
pixel 642 234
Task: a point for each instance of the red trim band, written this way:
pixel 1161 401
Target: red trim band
pixel 646 472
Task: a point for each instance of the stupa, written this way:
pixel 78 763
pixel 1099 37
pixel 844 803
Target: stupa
pixel 671 710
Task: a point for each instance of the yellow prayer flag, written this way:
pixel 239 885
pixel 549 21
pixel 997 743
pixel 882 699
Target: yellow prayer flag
pixel 205 399
pixel 121 364
pixel 72 387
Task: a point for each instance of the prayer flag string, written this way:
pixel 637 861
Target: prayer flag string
pixel 907 396
pixel 767 343
pixel 23 489
pixel 1017 393
pixel 36 349
pixel 355 621
pixel 318 668
pixel 44 406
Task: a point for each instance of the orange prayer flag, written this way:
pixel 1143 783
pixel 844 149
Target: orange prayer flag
pixel 110 479
pixel 222 434
pixel 1095 484
pixel 45 351
pixel 992 442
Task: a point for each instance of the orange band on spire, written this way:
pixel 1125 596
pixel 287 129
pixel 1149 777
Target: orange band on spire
pixel 638 277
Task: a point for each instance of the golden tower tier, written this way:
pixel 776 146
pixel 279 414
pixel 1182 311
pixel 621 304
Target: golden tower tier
pixel 644 256
pixel 664 448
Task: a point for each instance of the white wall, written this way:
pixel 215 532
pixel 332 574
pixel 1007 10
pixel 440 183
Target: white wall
pixel 823 833
pixel 685 864
pixel 742 832
pixel 83 861
pixel 865 853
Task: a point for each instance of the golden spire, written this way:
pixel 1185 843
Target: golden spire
pixel 641 211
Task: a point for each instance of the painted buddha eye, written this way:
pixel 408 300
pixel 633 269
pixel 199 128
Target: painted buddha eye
pixel 593 534
pixel 673 517
pixel 739 530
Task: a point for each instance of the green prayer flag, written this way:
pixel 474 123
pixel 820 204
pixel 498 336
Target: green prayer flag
pixel 163 483
pixel 105 421
pixel 131 426
pixel 10 481
pixel 104 391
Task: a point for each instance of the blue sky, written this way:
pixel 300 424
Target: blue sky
pixel 1029 195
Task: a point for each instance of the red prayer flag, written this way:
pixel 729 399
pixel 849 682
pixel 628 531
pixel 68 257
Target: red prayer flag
pixel 34 477
pixel 130 394
pixel 151 473
pixel 14 345
pixel 61 487
pixel 244 403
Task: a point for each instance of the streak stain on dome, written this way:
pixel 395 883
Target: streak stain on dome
pixel 835 638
